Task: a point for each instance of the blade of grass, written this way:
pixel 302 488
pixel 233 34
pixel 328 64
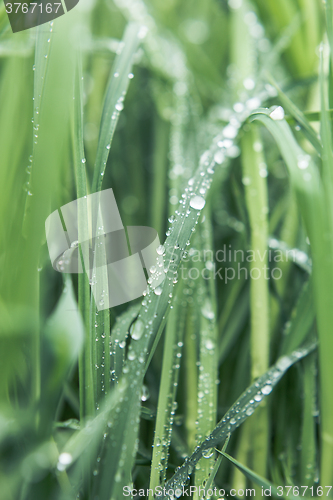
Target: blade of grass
pixel 299 117
pixel 264 484
pixel 85 361
pixel 113 104
pixel 257 204
pixel 167 394
pixel 208 356
pixel 237 414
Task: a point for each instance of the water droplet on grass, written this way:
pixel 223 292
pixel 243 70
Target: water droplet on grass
pixel 277 113
pixel 303 161
pixel 160 250
pixel 219 157
pixel 267 389
pixel 208 453
pixel 144 393
pixel 249 411
pixel 197 202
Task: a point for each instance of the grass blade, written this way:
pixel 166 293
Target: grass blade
pixel 238 413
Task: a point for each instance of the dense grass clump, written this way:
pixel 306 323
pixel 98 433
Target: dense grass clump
pixel 211 122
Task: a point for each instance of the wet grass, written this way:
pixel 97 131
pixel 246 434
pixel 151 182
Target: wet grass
pixel 211 122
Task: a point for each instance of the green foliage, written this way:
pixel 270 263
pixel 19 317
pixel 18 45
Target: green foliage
pixel 169 104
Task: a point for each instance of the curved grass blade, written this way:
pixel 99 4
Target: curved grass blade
pixel 299 117
pixel 113 104
pixel 238 413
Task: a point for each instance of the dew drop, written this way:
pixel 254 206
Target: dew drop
pixel 144 393
pixel 64 460
pixel 158 290
pixel 131 355
pixel 160 250
pixel 197 202
pixel 137 330
pixel 219 157
pixel 267 389
pixel 208 453
pixel 303 161
pixel 209 345
pixel 277 113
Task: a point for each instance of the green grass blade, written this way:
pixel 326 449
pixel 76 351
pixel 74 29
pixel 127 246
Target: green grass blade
pixel 85 361
pixel 167 395
pixel 265 485
pixel 208 357
pixel 317 214
pixel 238 413
pixel 299 117
pixel 115 95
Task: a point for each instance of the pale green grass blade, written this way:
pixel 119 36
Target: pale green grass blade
pixel 254 180
pixel 61 345
pixel 302 319
pixel 208 356
pixel 299 117
pixel 115 95
pixel 317 215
